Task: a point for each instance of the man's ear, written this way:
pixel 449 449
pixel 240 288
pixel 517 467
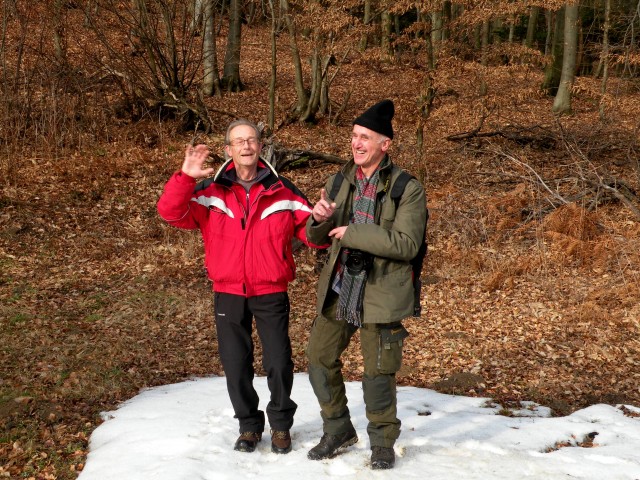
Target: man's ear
pixel 227 149
pixel 384 146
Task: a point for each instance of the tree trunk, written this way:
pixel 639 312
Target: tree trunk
pixel 172 52
pixel 365 20
pixel 231 75
pixel 497 26
pixel 301 93
pixel 140 38
pixel 274 70
pixel 211 78
pixel 197 8
pixel 604 58
pixel 553 71
pixel 562 102
pixel 549 18
pixel 58 32
pixel 486 28
pixel 316 85
pixel 532 26
pixel 446 20
pixel 512 27
pixel 385 38
pixel 436 31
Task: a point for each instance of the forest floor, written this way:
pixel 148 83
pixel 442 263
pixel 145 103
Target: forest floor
pixel 99 298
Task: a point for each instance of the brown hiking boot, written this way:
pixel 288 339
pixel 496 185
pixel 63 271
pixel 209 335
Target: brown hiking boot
pixel 247 441
pixel 280 441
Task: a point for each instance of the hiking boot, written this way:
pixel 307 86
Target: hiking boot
pixel 280 441
pixel 382 458
pixel 247 441
pixel 330 445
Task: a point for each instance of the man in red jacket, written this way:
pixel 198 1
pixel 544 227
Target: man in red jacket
pixel 248 216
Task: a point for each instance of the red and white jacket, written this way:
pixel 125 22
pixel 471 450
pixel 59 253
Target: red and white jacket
pixel 247 236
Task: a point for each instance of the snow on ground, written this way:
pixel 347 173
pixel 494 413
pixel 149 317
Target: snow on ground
pixel 187 431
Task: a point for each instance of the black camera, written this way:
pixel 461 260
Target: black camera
pixel 358 261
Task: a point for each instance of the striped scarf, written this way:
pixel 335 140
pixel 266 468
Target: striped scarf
pixel 351 287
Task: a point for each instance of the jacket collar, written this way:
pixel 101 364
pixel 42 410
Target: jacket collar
pixel 226 174
pixel 386 165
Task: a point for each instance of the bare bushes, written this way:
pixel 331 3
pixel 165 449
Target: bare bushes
pixel 48 106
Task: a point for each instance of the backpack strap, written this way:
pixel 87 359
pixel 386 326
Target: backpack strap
pixel 397 189
pixel 335 186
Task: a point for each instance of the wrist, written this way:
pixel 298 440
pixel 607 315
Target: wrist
pixel 186 177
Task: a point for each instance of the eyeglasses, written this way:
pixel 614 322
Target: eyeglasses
pixel 239 142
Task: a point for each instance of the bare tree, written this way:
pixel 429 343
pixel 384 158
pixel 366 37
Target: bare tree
pixel 366 20
pixel 211 78
pixel 554 68
pixel 59 46
pixel 164 61
pixel 562 101
pixel 604 57
pixel 231 76
pixel 531 26
pixel 314 100
pixel 274 67
pixel 301 93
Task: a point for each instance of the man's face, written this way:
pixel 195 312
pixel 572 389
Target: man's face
pixel 244 147
pixel 368 148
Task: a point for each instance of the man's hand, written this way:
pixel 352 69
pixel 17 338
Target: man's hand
pixel 338 232
pixel 194 158
pixel 323 210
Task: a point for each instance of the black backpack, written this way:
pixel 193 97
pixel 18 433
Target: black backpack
pixel 397 190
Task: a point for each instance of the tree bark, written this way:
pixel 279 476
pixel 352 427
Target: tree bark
pixel 532 26
pixel 211 78
pixel 436 31
pixel 604 58
pixel 365 20
pixel 562 102
pixel 385 38
pixel 553 71
pixel 303 98
pixel 274 69
pixel 446 20
pixel 231 75
pixel 58 32
pixel 486 29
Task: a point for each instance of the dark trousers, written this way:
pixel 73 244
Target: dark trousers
pixel 234 316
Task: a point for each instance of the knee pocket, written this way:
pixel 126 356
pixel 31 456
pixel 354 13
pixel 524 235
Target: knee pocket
pixel 377 392
pixel 391 340
pixel 320 383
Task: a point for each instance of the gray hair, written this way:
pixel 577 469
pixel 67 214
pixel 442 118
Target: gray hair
pixel 237 123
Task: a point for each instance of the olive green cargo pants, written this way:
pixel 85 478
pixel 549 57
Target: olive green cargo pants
pixel 382 352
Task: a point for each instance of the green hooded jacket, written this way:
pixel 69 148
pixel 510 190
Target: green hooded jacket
pixel 393 240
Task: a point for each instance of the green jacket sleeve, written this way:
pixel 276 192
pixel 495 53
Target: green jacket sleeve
pixel 399 236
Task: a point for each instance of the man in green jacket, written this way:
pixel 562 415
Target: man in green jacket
pixel 366 285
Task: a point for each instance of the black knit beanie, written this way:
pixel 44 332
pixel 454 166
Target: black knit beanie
pixel 378 118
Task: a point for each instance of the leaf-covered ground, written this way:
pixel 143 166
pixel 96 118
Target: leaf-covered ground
pixel 99 298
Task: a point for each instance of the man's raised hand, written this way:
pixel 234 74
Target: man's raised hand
pixel 194 158
pixel 323 210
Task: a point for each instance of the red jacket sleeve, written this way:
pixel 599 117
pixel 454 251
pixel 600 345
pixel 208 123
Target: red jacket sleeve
pixel 175 205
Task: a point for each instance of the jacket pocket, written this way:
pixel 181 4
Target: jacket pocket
pixel 389 298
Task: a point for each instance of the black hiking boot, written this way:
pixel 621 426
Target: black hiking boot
pixel 247 441
pixel 382 458
pixel 330 445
